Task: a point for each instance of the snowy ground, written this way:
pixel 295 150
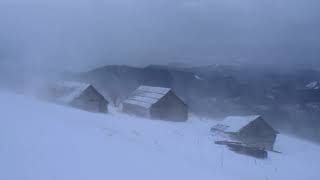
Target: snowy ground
pixel 40 141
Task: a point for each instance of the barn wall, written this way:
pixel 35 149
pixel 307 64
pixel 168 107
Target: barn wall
pixel 170 107
pixel 135 110
pixel 91 100
pixel 258 134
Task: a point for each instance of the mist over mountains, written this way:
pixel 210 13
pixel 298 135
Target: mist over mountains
pixel 288 99
pixel 235 89
pixel 270 50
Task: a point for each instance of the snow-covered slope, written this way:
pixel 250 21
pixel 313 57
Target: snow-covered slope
pixel 40 141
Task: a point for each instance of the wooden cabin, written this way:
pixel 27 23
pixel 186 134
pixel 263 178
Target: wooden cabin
pixel 251 130
pixel 78 95
pixel 156 103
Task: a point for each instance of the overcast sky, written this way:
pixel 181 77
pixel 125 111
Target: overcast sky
pixel 82 34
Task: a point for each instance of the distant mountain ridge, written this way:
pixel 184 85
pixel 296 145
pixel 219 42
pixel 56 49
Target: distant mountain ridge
pixel 221 90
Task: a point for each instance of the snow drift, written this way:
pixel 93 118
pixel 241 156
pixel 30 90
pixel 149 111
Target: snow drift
pixel 40 141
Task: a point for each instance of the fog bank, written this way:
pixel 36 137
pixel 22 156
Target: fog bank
pixel 82 34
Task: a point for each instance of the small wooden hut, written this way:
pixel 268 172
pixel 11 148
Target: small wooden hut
pixel 251 130
pixel 79 95
pixel 156 103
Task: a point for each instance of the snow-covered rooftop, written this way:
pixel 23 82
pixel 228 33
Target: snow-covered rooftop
pixel 67 91
pixel 146 96
pixel 235 123
pixel 313 85
pixel 198 77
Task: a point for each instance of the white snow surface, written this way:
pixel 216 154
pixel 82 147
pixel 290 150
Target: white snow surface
pixel 40 141
pixel 235 123
pixel 146 96
pixel 159 90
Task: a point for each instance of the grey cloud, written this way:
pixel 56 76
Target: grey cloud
pixel 82 34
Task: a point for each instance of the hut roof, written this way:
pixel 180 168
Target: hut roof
pixel 146 96
pixel 313 85
pixel 234 124
pixel 67 91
